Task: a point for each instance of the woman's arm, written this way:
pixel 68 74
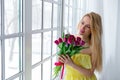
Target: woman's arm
pixel 67 60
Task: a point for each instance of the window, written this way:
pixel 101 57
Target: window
pixel 11 39
pixel 68 14
pixel 28 29
pixel 45 25
pixel 73 11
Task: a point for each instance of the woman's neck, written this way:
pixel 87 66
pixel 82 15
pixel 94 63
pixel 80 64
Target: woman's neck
pixel 86 39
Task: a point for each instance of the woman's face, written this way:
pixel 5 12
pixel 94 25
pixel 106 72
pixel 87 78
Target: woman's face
pixel 84 29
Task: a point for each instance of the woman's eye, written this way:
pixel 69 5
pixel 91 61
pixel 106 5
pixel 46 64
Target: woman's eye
pixel 82 22
pixel 88 26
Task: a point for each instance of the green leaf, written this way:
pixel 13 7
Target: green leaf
pixel 73 51
pixel 63 35
pixel 60 45
pixel 68 51
pixel 59 52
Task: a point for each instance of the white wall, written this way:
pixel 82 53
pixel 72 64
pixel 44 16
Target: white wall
pixel 109 10
pixel 111 70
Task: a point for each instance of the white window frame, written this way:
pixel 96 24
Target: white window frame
pixel 26 35
pixel 2 38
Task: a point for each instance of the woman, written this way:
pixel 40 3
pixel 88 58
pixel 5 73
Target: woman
pixel 81 66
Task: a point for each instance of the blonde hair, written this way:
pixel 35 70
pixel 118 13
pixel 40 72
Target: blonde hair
pixel 95 39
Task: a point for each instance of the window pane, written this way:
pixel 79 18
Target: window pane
pixel 66 17
pixel 66 2
pixel 0 59
pixel 36 73
pixel 36 14
pixel 12 56
pixel 70 16
pixel 82 13
pixel 78 15
pixel 47 15
pixel 18 78
pixel 79 3
pixel 55 16
pixel 83 4
pixel 36 48
pixel 46 44
pixel 70 29
pixel 12 16
pixel 66 31
pixel 71 2
pixel 46 70
pixel 56 0
pixel 54 45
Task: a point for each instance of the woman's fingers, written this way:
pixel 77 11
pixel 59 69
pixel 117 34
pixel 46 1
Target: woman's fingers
pixel 61 59
pixel 64 59
pixel 68 57
pixel 63 56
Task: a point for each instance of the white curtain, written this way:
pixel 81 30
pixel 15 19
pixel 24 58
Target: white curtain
pixel 109 10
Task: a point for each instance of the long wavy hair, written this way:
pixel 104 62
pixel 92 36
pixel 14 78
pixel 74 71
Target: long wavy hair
pixel 95 39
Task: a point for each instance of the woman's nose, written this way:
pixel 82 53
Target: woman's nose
pixel 82 30
pixel 83 27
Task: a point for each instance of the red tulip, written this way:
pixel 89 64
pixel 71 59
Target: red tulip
pixel 65 39
pixel 71 39
pixel 56 42
pixel 82 42
pixel 77 43
pixel 60 40
pixel 78 39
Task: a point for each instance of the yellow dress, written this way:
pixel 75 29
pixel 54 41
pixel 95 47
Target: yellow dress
pixel 82 60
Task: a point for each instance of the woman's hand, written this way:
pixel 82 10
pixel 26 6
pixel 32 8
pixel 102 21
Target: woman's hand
pixel 65 59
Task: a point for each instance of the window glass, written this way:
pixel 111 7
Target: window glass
pixel 55 15
pixel 54 48
pixel 12 56
pixel 66 2
pixel 46 44
pixel 36 73
pixel 47 15
pixel 36 14
pixel 47 70
pixel 12 16
pixel 66 17
pixel 36 48
pixel 71 2
pixel 70 16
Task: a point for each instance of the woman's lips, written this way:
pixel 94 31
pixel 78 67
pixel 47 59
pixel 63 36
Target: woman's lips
pixel 82 31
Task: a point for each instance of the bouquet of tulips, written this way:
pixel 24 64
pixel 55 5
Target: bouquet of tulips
pixel 67 44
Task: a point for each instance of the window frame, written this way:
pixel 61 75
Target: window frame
pixel 26 35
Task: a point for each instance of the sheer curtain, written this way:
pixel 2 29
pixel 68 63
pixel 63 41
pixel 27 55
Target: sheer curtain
pixel 110 12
